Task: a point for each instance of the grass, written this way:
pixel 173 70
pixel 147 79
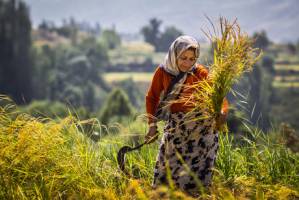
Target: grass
pixel 47 159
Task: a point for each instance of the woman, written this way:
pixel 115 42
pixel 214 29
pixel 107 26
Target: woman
pixel 189 147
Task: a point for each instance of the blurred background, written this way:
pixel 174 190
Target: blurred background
pixel 97 57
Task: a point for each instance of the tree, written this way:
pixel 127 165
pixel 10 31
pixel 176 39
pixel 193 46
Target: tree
pixel 97 55
pixel 42 66
pixel 15 42
pixel 151 32
pixel 161 41
pixel 46 25
pixel 261 40
pixel 135 96
pixel 255 94
pixel 167 37
pixel 110 38
pixel 71 74
pixel 291 48
pixel 268 64
pixel 261 92
pixel 116 105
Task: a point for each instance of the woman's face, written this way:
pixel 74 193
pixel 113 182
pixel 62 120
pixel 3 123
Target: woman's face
pixel 186 60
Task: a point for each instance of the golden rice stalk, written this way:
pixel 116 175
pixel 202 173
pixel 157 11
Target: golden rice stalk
pixel 233 56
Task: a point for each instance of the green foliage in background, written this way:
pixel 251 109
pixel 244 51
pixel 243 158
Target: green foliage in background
pixel 261 40
pixel 71 74
pixel 160 40
pixel 284 107
pixel 254 94
pixel 116 108
pixel 53 110
pixel 110 39
pixel 135 96
pixel 167 37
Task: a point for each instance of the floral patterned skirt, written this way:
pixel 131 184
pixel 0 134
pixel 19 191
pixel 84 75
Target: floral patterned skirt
pixel 187 153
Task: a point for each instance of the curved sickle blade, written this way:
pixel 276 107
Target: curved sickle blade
pixel 122 152
pixel 121 155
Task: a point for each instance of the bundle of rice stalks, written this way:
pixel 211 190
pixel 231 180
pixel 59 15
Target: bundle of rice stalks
pixel 233 56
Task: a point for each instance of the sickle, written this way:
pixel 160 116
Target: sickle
pixel 122 152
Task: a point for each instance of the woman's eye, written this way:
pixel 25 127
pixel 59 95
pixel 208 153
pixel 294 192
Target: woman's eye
pixel 185 58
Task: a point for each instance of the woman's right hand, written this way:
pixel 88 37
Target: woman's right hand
pixel 151 135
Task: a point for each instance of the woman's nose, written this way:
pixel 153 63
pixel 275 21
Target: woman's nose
pixel 188 62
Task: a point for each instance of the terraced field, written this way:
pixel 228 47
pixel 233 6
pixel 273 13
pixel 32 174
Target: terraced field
pixel 287 67
pixel 136 76
pixel 287 76
pixel 142 79
pixel 134 52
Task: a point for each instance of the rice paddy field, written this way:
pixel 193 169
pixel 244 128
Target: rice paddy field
pixel 44 158
pixel 135 76
pixel 54 159
pixel 287 76
pixel 287 67
pixel 136 52
pixel 142 79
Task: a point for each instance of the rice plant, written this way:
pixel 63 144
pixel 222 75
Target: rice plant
pixel 233 56
pixel 47 159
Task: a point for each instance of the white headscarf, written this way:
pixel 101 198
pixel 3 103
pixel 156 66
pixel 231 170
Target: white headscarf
pixel 177 47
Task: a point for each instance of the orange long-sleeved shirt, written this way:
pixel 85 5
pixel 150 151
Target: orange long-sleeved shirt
pixel 161 81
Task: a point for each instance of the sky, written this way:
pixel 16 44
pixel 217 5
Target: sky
pixel 279 18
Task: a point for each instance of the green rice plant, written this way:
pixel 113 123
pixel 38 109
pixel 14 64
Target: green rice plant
pixel 258 167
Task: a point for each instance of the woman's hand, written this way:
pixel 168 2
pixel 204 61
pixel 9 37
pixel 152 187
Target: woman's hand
pixel 221 120
pixel 151 135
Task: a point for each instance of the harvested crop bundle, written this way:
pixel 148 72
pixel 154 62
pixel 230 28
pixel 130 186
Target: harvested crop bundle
pixel 233 56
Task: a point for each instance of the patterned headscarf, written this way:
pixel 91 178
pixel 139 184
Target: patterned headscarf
pixel 181 44
pixel 177 47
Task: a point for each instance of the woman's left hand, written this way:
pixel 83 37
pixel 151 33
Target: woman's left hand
pixel 221 120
